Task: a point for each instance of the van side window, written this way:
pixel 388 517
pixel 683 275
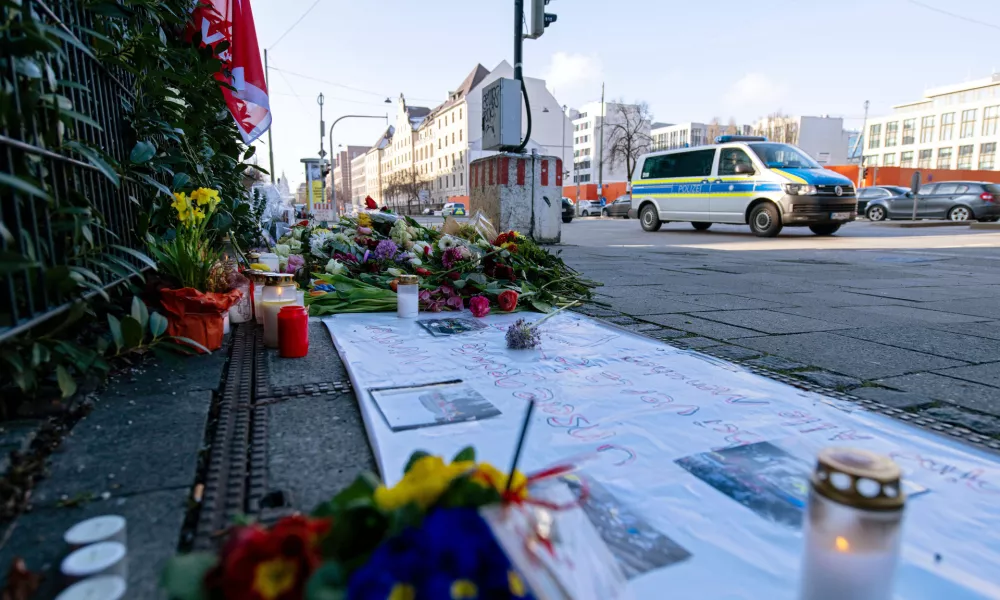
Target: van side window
pixel 680 164
pixel 729 158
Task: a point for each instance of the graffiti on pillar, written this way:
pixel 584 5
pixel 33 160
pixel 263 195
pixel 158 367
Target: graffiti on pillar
pixel 491 110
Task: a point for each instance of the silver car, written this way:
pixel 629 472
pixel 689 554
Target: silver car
pixel 952 200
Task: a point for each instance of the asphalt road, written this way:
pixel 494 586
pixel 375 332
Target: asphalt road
pixel 906 317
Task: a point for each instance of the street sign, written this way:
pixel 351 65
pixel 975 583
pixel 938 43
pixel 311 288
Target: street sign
pixel 502 114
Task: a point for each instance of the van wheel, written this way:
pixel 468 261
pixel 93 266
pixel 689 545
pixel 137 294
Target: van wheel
pixel 701 226
pixel 765 220
pixel 828 229
pixel 649 219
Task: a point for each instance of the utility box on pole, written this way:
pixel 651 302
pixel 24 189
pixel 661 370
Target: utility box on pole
pixel 502 114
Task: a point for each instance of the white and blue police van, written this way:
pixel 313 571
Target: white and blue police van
pixel 742 180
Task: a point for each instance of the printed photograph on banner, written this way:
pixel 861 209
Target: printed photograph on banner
pixel 635 544
pixel 762 477
pixel 453 326
pixel 429 405
pixel 767 479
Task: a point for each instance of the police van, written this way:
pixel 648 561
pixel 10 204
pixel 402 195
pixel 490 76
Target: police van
pixel 745 180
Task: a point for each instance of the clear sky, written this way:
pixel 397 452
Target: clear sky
pixel 690 61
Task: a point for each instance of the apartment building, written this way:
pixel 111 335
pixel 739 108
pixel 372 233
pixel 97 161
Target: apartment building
pixel 358 188
pixel 341 174
pixel 682 135
pixel 436 145
pixel 590 124
pixel 951 127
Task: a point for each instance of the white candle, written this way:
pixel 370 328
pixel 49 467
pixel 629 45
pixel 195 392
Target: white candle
pixel 106 528
pixel 258 299
pixel 225 323
pixel 838 573
pixel 102 558
pixel 271 320
pixel 271 260
pixel 102 587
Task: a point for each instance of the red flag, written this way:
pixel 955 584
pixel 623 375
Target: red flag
pixel 232 21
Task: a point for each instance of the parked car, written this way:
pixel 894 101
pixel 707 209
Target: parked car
pixel 586 208
pixel 867 194
pixel 618 208
pixel 568 210
pixel 952 200
pixel 453 208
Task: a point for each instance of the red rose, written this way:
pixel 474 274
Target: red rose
pixel 505 272
pixel 454 275
pixel 369 203
pixel 427 250
pixel 423 272
pixel 507 300
pixel 480 306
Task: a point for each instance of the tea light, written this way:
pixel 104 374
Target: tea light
pixel 853 527
pixel 278 292
pixel 407 299
pixel 106 528
pixel 102 558
pixel 271 260
pixel 102 587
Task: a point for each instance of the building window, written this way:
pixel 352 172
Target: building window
pixel 944 157
pixel 965 156
pixel 889 160
pixel 924 160
pixel 439 144
pixel 927 130
pixel 987 155
pixel 891 131
pixel 460 113
pixel 990 114
pixel 947 126
pixel 875 136
pixel 460 135
pixel 452 178
pixel 968 124
pixel 870 160
pixel 461 179
pixel 452 137
pixel 906 159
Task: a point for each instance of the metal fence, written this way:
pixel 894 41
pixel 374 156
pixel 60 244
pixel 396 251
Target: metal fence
pixel 37 147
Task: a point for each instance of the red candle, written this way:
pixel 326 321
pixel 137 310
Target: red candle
pixel 293 332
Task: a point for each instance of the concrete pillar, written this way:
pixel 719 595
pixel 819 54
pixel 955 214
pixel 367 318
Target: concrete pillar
pixel 520 192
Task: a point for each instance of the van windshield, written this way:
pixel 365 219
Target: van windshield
pixel 783 156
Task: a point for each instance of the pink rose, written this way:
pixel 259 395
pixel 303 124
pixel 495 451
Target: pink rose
pixel 455 302
pixel 480 306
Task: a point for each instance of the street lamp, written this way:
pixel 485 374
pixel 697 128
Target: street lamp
pixel 333 192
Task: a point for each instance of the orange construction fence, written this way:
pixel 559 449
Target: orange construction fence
pixel 901 176
pixel 588 191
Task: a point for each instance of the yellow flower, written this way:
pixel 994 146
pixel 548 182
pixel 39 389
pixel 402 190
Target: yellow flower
pixel 260 267
pixel 463 589
pixel 197 215
pixel 427 479
pixel 516 584
pixel 205 196
pixel 402 591
pixel 274 577
pixel 181 204
pixel 364 220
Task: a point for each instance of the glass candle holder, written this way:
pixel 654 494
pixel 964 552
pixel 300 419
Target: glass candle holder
pixel 407 299
pixel 853 527
pixel 278 291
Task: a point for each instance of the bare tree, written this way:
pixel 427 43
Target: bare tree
pixel 403 187
pixel 628 135
pixel 713 130
pixel 778 127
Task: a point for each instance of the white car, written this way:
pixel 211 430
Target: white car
pixel 586 208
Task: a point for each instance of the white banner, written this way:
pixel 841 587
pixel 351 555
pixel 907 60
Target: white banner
pixel 699 468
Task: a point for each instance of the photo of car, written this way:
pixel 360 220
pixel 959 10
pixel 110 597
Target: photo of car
pixel 951 200
pixel 586 208
pixel 453 209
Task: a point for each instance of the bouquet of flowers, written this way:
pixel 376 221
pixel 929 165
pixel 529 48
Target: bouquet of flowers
pixel 460 267
pixel 422 539
pixel 189 257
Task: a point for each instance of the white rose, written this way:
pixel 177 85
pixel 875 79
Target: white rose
pixel 394 271
pixel 282 250
pixel 334 267
pixel 416 262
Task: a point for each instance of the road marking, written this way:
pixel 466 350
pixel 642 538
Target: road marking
pixel 631 246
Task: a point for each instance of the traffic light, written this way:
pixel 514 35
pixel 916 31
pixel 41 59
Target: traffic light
pixel 864 175
pixel 539 19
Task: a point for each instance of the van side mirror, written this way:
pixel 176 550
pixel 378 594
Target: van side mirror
pixel 743 169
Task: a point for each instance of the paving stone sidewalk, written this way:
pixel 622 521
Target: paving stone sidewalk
pixel 915 332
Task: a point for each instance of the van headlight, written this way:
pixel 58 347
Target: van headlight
pixel 798 189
